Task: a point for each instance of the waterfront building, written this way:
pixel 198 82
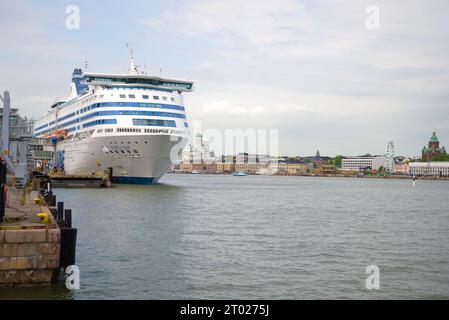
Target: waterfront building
pixel 245 157
pixel 433 149
pixel 249 167
pixel 209 167
pixel 317 159
pixel 291 168
pixel 225 167
pixel 325 169
pixel 400 168
pixel 197 151
pixel 228 159
pixel 434 168
pixel 296 159
pixel 242 158
pixel 41 149
pixel 186 166
pixel 40 154
pixel 363 163
pixel 267 159
pixel 19 127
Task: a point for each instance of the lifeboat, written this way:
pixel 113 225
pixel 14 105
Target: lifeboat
pixel 56 135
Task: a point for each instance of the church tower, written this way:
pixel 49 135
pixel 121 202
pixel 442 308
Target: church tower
pixel 433 149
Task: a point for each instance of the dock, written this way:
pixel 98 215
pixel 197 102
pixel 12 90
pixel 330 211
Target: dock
pixel 81 180
pixel 36 239
pixel 29 248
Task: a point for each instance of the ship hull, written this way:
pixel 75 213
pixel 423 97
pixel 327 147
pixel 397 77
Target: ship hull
pixel 134 159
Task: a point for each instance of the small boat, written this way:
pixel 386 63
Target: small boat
pixel 195 172
pixel 239 174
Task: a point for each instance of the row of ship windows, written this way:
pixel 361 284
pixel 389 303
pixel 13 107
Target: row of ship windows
pixel 138 131
pixel 131 96
pixel 136 122
pixel 123 151
pixel 134 130
pixel 121 88
pixel 144 96
pixel 132 113
pixel 90 124
pixel 120 112
pixel 126 104
pixel 154 82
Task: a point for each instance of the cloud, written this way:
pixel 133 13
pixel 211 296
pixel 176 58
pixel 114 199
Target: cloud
pixel 34 59
pixel 24 30
pixel 223 107
pixel 316 47
pixel 257 22
pixel 307 67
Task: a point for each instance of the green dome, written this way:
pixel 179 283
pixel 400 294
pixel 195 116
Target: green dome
pixel 434 138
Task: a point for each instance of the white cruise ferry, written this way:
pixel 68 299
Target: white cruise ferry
pixel 127 122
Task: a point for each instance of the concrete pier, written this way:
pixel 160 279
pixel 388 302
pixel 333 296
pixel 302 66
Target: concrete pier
pixel 29 247
pixel 86 180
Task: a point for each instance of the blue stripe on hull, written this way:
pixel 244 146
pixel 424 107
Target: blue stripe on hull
pixel 134 180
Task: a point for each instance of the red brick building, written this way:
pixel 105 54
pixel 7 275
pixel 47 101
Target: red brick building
pixel 433 149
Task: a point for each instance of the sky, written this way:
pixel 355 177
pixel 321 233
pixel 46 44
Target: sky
pixel 311 69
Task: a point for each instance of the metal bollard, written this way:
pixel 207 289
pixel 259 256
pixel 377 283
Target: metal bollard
pixel 53 213
pixel 60 213
pixel 49 197
pixel 68 247
pixel 67 218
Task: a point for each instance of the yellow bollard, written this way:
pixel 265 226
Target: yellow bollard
pixel 43 216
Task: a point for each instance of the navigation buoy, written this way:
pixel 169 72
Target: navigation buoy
pixel 414 181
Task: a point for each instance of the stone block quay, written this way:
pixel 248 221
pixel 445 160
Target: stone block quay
pixel 30 245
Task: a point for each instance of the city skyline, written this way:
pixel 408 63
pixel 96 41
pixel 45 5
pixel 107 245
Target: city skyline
pixel 325 83
pixel 194 143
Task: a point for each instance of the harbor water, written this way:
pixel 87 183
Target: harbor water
pixel 258 237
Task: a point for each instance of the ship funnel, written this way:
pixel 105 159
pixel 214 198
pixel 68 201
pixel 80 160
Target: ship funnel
pixel 77 77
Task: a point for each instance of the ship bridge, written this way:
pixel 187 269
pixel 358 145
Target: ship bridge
pixel 133 80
